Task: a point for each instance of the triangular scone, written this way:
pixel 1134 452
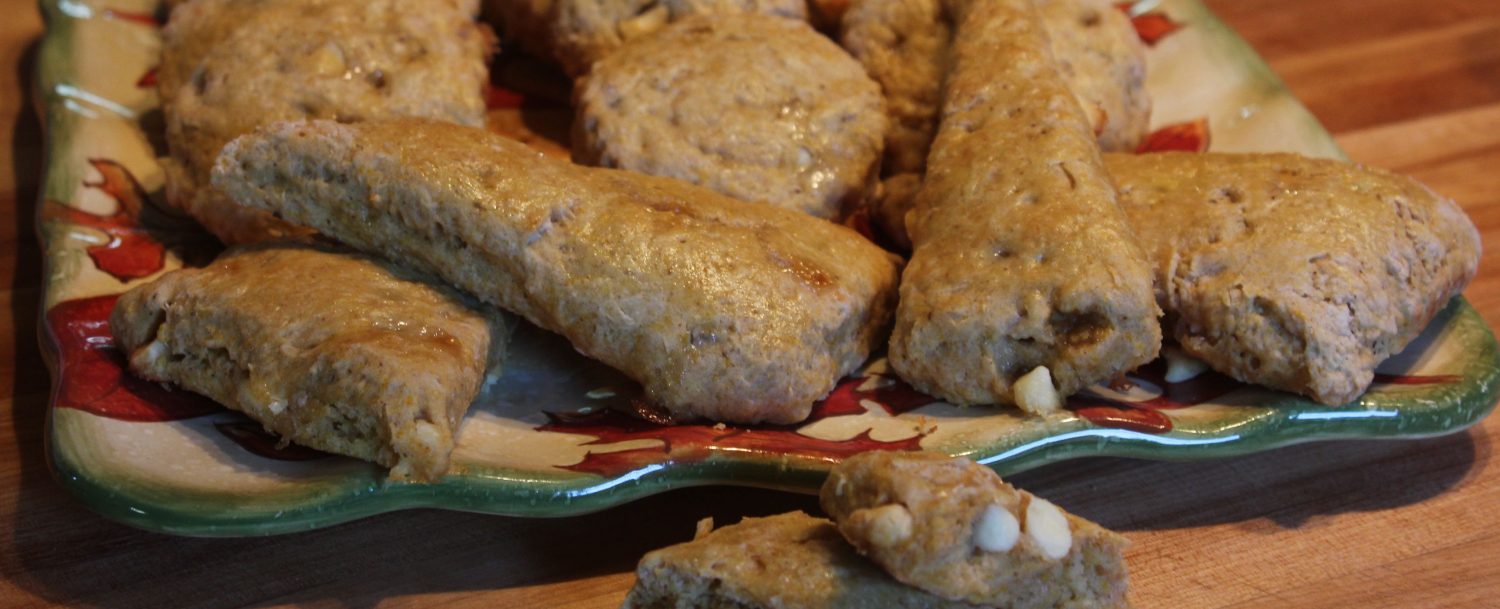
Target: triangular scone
pixel 953 528
pixel 788 561
pixel 1295 273
pixel 328 349
pixel 720 308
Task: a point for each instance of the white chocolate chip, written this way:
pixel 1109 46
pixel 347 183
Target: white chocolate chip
pixel 889 524
pixel 328 60
pixel 1047 526
pixel 155 351
pixel 276 406
pixel 997 529
pixel 1034 392
pixel 1181 366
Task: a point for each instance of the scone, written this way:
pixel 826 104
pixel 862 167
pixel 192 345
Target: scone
pixel 904 46
pixel 720 308
pixel 789 561
pixel 1021 259
pixel 953 528
pixel 229 66
pixel 1295 273
pixel 756 107
pixel 326 348
pixel 578 33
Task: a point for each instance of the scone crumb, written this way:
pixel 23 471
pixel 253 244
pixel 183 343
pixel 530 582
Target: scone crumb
pixel 997 529
pixel 705 526
pixel 1181 366
pixel 1035 394
pixel 890 524
pixel 1048 527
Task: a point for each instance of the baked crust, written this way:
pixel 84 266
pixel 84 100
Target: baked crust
pixel 788 561
pixel 1022 257
pixel 326 348
pixel 757 107
pixel 720 308
pixel 229 66
pixel 1290 272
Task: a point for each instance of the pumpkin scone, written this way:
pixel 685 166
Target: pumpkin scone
pixel 955 529
pixel 1022 259
pixel 229 66
pixel 326 348
pixel 576 34
pixel 757 107
pixel 1295 273
pixel 720 308
pixel 788 561
pixel 904 46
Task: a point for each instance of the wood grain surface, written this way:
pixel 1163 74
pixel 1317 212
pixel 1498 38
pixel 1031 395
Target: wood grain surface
pixel 1411 85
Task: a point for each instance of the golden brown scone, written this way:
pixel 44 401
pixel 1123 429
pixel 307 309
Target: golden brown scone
pixel 1022 257
pixel 1295 273
pixel 720 308
pixel 326 348
pixel 953 528
pixel 578 33
pixel 757 107
pixel 903 44
pixel 788 561
pixel 229 66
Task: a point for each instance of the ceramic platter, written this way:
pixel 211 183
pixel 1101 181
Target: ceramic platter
pixel 551 439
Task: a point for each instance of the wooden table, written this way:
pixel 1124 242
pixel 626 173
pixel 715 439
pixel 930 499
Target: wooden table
pixel 1411 85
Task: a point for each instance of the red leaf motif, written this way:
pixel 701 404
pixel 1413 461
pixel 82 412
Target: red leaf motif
pixel 696 442
pixel 1402 379
pixel 1133 419
pixel 147 80
pixel 91 373
pixel 497 97
pixel 253 437
pixel 1152 26
pixel 130 252
pixel 1192 136
pixel 146 19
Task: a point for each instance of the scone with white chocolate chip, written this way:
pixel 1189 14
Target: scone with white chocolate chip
pixel 955 529
pixel 326 348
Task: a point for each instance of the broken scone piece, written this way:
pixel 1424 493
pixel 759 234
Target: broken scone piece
pixel 955 529
pixel 789 561
pixel 325 348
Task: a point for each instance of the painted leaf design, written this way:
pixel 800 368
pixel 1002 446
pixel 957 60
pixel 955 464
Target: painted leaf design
pixel 1150 26
pixel 140 18
pixel 696 442
pixel 128 252
pixel 1191 136
pixel 92 375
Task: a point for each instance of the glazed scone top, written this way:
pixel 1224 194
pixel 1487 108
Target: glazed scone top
pixel 759 108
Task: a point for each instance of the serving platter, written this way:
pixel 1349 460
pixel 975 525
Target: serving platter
pixel 558 434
